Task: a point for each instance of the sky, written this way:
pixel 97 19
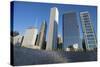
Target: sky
pixel 32 14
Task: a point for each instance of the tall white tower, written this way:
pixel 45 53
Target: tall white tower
pixel 53 30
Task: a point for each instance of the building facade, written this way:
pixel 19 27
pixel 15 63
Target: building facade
pixel 53 30
pixel 70 30
pixel 59 42
pixel 30 38
pixel 17 40
pixel 42 36
pixel 88 31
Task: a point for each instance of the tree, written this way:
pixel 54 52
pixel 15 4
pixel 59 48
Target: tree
pixel 14 33
pixel 71 47
pixel 83 45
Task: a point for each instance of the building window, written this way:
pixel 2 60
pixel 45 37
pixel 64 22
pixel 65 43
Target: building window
pixel 92 46
pixel 91 41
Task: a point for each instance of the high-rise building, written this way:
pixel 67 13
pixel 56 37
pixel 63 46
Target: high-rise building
pixel 60 39
pixel 88 31
pixel 70 28
pixel 53 29
pixel 42 36
pixel 59 42
pixel 30 38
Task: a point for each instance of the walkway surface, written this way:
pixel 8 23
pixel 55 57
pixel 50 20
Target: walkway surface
pixel 26 56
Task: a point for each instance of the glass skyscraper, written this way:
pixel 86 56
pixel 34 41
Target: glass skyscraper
pixel 70 30
pixel 88 31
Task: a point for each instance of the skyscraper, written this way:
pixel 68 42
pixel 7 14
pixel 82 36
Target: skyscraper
pixel 42 36
pixel 53 29
pixel 30 38
pixel 88 31
pixel 70 30
pixel 59 42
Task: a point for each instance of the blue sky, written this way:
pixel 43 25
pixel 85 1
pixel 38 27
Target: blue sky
pixel 28 14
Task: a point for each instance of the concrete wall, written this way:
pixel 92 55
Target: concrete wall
pixel 30 38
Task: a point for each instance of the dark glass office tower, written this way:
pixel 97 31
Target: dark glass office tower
pixel 70 26
pixel 88 31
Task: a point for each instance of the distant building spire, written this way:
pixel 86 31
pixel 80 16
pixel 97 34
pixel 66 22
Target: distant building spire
pixel 36 22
